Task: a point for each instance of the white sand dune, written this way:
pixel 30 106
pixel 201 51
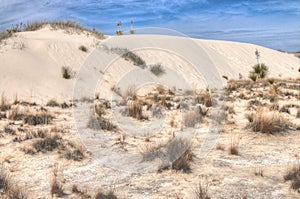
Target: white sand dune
pixel 31 62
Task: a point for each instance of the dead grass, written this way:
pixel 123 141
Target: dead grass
pixel 49 143
pixel 8 188
pixel 52 103
pixel 4 105
pixel 234 145
pixel 191 118
pixel 268 122
pixel 179 152
pixel 201 191
pixel 293 175
pixel 56 184
pixel 204 98
pixel 38 119
pixel 105 195
pixel 157 69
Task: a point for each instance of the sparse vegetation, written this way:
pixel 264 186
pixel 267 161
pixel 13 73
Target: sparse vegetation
pixel 191 118
pixel 102 195
pixel 293 175
pixel 201 191
pixel 67 72
pixel 4 105
pixel 268 122
pixel 38 119
pixel 83 48
pixel 52 103
pixel 179 152
pixel 8 188
pixel 157 69
pixel 234 146
pixel 259 71
pixel 56 184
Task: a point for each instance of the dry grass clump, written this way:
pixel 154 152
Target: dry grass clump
pixel 293 175
pixel 102 195
pixel 49 143
pixel 52 103
pixel 64 25
pixel 205 99
pixel 9 188
pixel 98 120
pixel 268 122
pixel 4 105
pixel 179 152
pixel 73 151
pixel 234 146
pixel 135 110
pixel 38 119
pixel 157 69
pixel 298 113
pixel 137 60
pixel 56 184
pixel 201 191
pixel 150 151
pixel 191 118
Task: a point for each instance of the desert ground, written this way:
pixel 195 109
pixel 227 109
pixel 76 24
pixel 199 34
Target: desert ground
pixel 146 116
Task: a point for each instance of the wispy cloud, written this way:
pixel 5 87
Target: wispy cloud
pixel 276 21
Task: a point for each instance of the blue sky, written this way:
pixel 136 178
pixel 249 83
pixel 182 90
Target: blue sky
pixel 270 23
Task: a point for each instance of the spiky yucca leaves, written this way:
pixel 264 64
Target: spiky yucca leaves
pixel 259 71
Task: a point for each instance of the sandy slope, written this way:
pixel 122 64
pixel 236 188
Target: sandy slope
pixel 31 61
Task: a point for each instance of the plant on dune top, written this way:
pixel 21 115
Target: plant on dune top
pixel 259 71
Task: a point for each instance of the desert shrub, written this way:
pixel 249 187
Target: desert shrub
pixel 52 103
pixel 131 93
pixel 119 32
pixel 15 114
pixel 135 110
pixel 157 69
pixel 204 99
pixel 293 175
pixel 259 71
pixel 38 119
pixel 83 48
pixel 201 191
pixel 234 146
pixel 76 155
pixel 137 60
pixel 191 118
pixel 56 184
pixel 5 35
pixel 102 195
pixel 67 72
pixel 33 26
pixel 268 122
pixel 4 105
pixel 150 151
pixel 99 122
pixel 7 129
pixel 179 152
pixel 4 180
pixel 249 117
pixel 49 143
pixel 9 188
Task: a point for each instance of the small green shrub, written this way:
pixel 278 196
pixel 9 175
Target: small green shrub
pixel 67 72
pixel 259 71
pixel 52 103
pixel 157 69
pixel 83 48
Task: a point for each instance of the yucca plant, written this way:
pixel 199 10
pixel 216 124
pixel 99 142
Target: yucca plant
pixel 259 71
